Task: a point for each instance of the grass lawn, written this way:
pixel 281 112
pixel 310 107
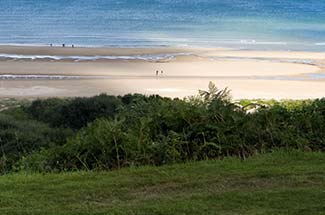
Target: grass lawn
pixel 277 183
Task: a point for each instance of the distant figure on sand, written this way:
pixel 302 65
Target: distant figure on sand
pixel 63 45
pixel 157 72
pixel 51 44
pixel 72 46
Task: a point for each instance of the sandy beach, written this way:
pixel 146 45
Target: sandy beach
pixel 118 71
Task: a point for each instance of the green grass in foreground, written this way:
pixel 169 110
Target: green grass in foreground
pixel 277 183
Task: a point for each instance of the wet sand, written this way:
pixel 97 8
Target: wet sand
pixel 249 74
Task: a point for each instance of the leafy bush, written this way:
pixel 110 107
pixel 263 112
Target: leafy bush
pixel 112 132
pixel 75 113
pixel 21 137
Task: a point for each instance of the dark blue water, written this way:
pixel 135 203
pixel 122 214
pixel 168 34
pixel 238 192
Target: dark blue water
pixel 256 24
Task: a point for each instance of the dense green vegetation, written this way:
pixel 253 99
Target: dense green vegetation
pixel 108 132
pixel 277 183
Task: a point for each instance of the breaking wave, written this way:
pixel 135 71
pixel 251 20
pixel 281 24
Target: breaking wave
pixel 150 57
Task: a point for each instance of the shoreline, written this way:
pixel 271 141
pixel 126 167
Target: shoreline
pixel 233 47
pixel 249 74
pixel 89 51
pixel 46 53
pixel 22 47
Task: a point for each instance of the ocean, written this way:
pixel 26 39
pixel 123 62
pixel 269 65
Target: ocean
pixel 242 24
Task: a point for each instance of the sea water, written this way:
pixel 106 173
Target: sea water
pixel 242 24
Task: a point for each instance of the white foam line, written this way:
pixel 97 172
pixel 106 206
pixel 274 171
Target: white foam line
pixel 153 57
pixel 59 77
pixel 254 42
pixel 299 61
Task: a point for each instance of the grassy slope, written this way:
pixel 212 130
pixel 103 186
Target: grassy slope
pixel 275 183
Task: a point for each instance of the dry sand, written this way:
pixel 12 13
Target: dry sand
pixel 254 75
